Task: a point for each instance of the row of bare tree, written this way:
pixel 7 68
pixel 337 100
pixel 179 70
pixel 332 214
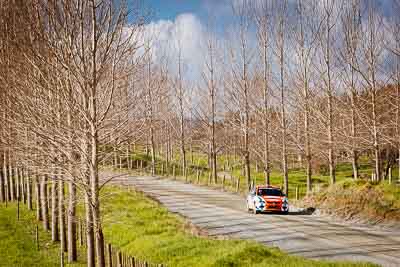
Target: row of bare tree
pixel 64 65
pixel 292 83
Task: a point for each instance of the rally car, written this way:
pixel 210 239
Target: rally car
pixel 267 198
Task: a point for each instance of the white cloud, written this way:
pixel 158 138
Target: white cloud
pixel 186 32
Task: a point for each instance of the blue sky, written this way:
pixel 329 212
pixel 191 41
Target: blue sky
pixel 191 17
pixel 169 9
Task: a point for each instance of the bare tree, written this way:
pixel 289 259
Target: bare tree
pixel 263 18
pixel 305 42
pixel 281 31
pixel 239 93
pixel 351 23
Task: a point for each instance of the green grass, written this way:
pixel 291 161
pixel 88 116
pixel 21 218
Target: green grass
pixel 17 240
pixel 142 228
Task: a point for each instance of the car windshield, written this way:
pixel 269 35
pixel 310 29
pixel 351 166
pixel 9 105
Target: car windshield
pixel 269 192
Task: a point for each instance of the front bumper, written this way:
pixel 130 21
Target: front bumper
pixel 281 207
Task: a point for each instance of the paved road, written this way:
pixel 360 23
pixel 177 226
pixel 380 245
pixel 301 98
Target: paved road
pixel 311 236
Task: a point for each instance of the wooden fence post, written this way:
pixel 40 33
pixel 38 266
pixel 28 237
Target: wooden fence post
pixel 119 259
pixel 62 258
pixel 197 176
pixel 297 192
pixel 109 249
pixel 390 175
pixel 80 232
pixel 18 207
pixel 185 174
pixel 37 237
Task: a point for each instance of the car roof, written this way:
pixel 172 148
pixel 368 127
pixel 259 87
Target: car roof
pixel 267 186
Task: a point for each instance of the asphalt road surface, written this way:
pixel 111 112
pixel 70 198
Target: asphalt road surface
pixel 312 236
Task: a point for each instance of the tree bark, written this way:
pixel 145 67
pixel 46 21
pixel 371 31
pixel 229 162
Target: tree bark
pixel 44 202
pixel 29 190
pixel 11 179
pixel 61 215
pixel 54 210
pixel 38 199
pixel 4 178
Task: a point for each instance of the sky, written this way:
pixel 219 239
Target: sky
pixel 189 19
pixel 170 9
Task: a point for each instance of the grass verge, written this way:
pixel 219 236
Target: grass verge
pixel 18 247
pixel 359 199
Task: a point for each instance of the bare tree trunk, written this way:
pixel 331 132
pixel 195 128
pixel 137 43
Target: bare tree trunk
pixel 71 215
pixel 93 141
pixel 11 179
pixel 328 27
pixel 398 103
pixel 72 252
pixel 90 243
pixel 281 47
pixel 29 190
pixel 38 199
pixel 61 214
pixel 22 182
pixel 90 250
pixel 354 153
pixel 4 178
pixel 149 103
pixel 372 76
pixel 267 170
pixel 375 137
pixel 17 184
pixel 54 210
pixel 44 203
pixel 398 112
pixel 181 115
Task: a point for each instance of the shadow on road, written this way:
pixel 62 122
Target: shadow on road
pixel 307 211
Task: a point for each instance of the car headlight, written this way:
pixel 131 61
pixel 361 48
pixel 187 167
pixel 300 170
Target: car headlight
pixel 259 200
pixel 285 201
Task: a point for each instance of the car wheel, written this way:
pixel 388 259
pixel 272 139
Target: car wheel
pixel 248 208
pixel 255 210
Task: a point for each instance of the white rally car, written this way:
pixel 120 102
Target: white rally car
pixel 267 198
